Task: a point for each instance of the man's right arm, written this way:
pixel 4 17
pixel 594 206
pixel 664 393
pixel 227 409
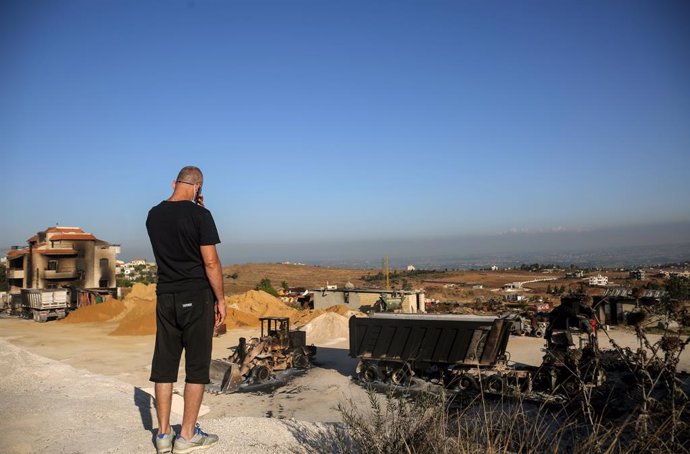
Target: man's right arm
pixel 214 272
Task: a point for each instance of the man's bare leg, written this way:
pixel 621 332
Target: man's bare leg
pixel 163 404
pixel 193 395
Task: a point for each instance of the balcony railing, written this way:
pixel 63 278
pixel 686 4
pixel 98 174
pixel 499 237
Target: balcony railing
pixel 66 251
pixel 61 274
pixel 15 274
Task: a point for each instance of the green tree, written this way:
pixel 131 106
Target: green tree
pixel 285 286
pixel 124 282
pixel 406 285
pixel 4 284
pixel 234 276
pixel 678 287
pixel 266 286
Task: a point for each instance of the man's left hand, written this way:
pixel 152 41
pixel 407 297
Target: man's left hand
pixel 220 313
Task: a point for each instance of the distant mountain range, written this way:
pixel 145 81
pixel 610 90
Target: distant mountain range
pixel 614 257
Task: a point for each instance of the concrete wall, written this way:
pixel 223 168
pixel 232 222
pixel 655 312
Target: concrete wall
pixel 411 304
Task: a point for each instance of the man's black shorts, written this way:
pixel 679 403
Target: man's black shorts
pixel 184 320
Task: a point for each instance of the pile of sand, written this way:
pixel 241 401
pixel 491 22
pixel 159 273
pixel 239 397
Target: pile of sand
pixel 114 310
pixel 139 321
pixel 96 312
pixel 142 291
pixel 345 311
pixel 137 314
pixel 327 328
pixel 140 317
pixel 259 304
pixel 235 318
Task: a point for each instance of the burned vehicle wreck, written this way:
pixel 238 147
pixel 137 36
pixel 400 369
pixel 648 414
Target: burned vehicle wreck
pixel 262 362
pixel 467 353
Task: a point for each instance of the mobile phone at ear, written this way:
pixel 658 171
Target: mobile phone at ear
pixel 196 196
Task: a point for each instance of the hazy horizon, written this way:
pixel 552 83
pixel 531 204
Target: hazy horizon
pixel 510 244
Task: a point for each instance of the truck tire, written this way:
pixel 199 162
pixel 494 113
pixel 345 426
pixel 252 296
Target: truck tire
pixel 494 383
pixel 399 376
pixel 539 333
pixel 260 373
pixel 465 382
pixel 370 373
pixel 300 361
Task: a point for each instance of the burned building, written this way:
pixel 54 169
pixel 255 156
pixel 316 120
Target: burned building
pixel 61 257
pixel 615 304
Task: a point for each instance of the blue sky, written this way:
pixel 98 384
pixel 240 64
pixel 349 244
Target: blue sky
pixel 352 121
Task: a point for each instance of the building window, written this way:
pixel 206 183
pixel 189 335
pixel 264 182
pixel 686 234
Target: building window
pixel 52 265
pixel 103 283
pixel 104 263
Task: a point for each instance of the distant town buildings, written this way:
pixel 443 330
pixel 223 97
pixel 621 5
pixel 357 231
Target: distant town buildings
pixel 598 281
pixel 637 274
pixel 667 274
pixel 62 257
pixel 411 268
pixel 131 268
pixel 513 286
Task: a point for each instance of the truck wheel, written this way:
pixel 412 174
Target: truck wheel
pixel 539 333
pixel 370 373
pixel 465 382
pixel 494 383
pixel 400 376
pixel 260 373
pixel 300 361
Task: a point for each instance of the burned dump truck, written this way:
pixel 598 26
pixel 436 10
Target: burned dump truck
pixel 42 304
pixel 466 353
pixel 262 362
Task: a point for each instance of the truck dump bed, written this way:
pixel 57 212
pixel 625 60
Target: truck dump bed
pixel 42 299
pixel 437 339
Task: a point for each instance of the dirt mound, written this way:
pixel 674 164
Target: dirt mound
pixel 242 310
pixel 140 317
pixel 140 320
pixel 326 328
pixel 142 291
pixel 341 309
pixel 345 311
pixel 237 319
pixel 96 312
pixel 259 303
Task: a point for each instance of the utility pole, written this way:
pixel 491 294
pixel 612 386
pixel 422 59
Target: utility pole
pixel 388 281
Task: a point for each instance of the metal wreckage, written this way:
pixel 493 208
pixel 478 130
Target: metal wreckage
pixel 467 354
pixel 264 362
pixel 463 354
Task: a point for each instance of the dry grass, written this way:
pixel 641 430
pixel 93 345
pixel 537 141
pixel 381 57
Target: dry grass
pixel 249 275
pixel 428 424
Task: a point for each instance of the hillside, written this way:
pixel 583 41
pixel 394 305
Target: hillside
pixel 443 286
pixel 248 275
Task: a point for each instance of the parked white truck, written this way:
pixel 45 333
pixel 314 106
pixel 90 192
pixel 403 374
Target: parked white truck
pixel 43 304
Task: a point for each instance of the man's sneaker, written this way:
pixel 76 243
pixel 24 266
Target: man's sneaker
pixel 164 442
pixel 200 440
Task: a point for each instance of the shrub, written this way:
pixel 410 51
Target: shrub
pixel 266 286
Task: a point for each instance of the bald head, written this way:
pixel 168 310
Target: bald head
pixel 191 175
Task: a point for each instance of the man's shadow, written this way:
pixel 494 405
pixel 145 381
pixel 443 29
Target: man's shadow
pixel 145 403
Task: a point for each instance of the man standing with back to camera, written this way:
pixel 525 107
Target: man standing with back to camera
pixel 190 304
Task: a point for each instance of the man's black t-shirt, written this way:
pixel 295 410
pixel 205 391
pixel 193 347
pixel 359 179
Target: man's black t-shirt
pixel 177 230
